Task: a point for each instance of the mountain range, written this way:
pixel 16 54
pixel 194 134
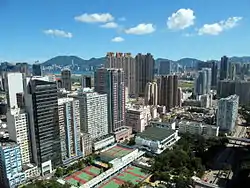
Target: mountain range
pixel 68 60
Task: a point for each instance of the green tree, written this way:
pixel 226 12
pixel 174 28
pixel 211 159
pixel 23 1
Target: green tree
pixel 59 172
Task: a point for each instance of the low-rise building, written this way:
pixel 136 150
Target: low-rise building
pixel 123 133
pixel 103 142
pixel 198 128
pixel 86 144
pixel 156 139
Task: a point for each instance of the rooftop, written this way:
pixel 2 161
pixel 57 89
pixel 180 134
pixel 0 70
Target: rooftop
pixel 156 133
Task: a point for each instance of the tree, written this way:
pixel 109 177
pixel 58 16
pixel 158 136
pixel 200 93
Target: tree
pixel 59 172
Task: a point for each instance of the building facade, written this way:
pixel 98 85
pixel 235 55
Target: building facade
pixel 69 123
pixel 41 102
pixel 224 68
pixel 227 113
pixel 165 68
pixel 66 79
pixel 111 82
pixel 151 94
pixel 11 174
pixel 36 70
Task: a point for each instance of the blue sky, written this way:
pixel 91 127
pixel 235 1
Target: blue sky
pixel 41 29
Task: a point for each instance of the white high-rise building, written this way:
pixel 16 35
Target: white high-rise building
pixel 227 113
pixel 13 85
pixel 93 113
pixel 18 132
pixel 151 94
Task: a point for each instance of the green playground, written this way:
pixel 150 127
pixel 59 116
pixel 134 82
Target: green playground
pixel 117 151
pixel 83 176
pixel 132 173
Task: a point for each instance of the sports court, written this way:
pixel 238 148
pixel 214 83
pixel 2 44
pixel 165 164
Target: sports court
pixel 115 152
pixel 133 174
pixel 83 176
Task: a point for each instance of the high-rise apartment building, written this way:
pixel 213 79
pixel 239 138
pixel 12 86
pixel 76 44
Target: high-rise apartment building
pixel 168 91
pixel 232 71
pixel 69 123
pixel 201 83
pixel 227 113
pixel 234 87
pixel 36 70
pixel 93 113
pixel 66 79
pixel 214 74
pixel 111 82
pixel 165 68
pixel 208 79
pixel 224 68
pixel 11 174
pixel 126 62
pixel 18 131
pixel 13 85
pixel 144 71
pixel 151 94
pixel 41 102
pixel 86 82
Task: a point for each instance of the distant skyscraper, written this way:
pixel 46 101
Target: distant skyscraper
pixel 18 131
pixel 224 68
pixel 66 79
pixel 23 68
pixel 11 174
pixel 144 72
pixel 69 123
pixel 201 83
pixel 86 81
pixel 214 74
pixel 36 70
pixel 111 82
pixel 209 79
pixel 126 62
pixel 151 94
pixel 41 102
pixel 168 90
pixel 227 113
pixel 232 71
pixel 165 68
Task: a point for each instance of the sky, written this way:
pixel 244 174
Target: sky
pixel 33 30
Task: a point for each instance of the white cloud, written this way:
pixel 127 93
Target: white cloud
pixel 181 19
pixel 117 39
pixel 95 18
pixel 110 25
pixel 58 33
pixel 219 27
pixel 141 29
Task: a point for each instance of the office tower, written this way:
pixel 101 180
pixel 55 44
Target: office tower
pixel 151 94
pixel 13 85
pixel 168 89
pixel 11 174
pixel 126 62
pixel 224 68
pixel 86 81
pixel 36 70
pixel 232 71
pixel 201 83
pixel 111 82
pixel 94 114
pixel 235 87
pixel 66 79
pixel 18 131
pixel 227 113
pixel 165 68
pixel 69 123
pixel 144 66
pixel 41 102
pixel 214 74
pixel 209 79
pixel 23 68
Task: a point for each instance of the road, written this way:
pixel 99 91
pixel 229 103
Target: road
pixel 226 157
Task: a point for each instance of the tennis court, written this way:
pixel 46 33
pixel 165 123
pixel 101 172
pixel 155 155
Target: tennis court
pixel 133 174
pixel 83 176
pixel 115 152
